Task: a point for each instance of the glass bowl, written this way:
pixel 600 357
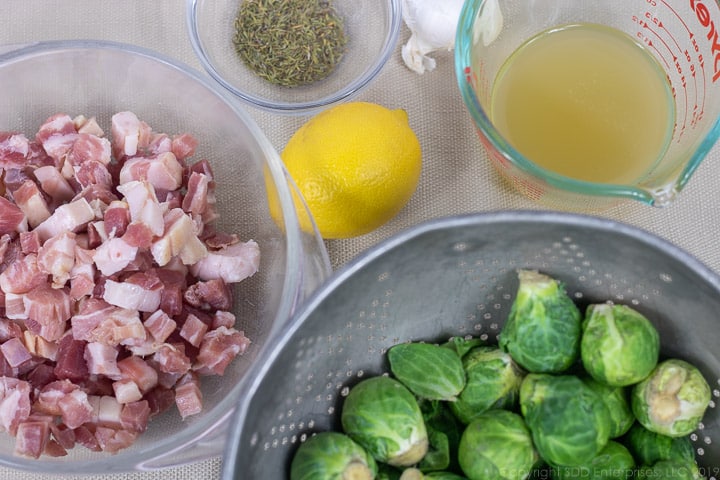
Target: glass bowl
pixel 99 79
pixel 371 27
pixel 457 276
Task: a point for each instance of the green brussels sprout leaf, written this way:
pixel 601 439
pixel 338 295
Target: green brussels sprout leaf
pixel 569 422
pixel 331 455
pixel 542 332
pixel 429 371
pixel 617 401
pixel 461 345
pixel 669 469
pixel 444 431
pixel 497 445
pixel 383 416
pixel 650 447
pixel 612 462
pixel 619 346
pixel 493 381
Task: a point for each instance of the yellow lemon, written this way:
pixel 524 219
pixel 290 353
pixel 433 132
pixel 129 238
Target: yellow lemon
pixel 356 165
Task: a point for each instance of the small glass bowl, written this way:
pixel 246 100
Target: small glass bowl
pixel 371 26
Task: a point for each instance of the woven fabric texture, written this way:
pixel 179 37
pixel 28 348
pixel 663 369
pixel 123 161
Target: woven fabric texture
pixel 456 177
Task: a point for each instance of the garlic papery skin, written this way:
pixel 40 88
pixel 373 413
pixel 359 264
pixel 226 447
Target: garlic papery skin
pixel 432 25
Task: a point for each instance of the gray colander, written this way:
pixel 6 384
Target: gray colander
pixel 457 276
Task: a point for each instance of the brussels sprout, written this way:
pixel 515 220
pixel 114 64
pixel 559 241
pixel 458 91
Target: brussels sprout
pixel 429 371
pixel 649 447
pixel 619 346
pixel 569 422
pixel 670 469
pixel 383 416
pixel 387 472
pixel 617 401
pixel 613 461
pixel 493 381
pixel 444 431
pixel 672 400
pixel 542 332
pixel 412 474
pixel 462 345
pixel 416 474
pixel 331 456
pixel 443 476
pixel 497 445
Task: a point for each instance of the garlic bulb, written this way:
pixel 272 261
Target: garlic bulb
pixel 433 24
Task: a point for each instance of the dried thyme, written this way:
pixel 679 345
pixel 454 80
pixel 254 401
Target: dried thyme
pixel 289 42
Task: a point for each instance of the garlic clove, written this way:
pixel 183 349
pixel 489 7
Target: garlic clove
pixel 432 26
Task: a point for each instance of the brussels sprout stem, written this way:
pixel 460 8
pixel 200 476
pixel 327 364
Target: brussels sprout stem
pixel 357 471
pixel 665 407
pixel 412 455
pixel 412 474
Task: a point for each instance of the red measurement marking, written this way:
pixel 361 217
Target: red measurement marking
pixel 667 5
pixel 662 40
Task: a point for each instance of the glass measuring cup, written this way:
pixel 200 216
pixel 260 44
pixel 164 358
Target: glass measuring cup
pixel 684 38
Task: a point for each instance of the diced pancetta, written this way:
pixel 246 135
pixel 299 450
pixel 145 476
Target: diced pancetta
pixel 126 391
pixel 218 348
pixel 116 219
pixel 179 240
pixel 89 148
pixel 160 325
pixel 193 330
pixel 32 438
pixel 75 408
pixel 101 359
pixel 209 295
pixel 15 352
pixel 133 296
pixel 129 134
pixel 162 171
pixel 183 146
pixel 82 275
pixel 134 416
pixel 15 404
pixel 40 347
pixel 93 173
pixel 29 242
pixel 22 275
pixel 56 257
pixel 12 218
pixel 9 329
pixel 196 198
pixel 223 319
pixel 110 309
pixel 14 149
pixel 32 203
pixel 144 205
pixel 69 217
pixel 113 256
pixel 15 306
pixel 138 370
pixel 48 309
pixel 54 184
pixel 112 440
pixel 172 359
pixel 70 364
pixel 232 264
pixel 88 125
pixel 188 396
